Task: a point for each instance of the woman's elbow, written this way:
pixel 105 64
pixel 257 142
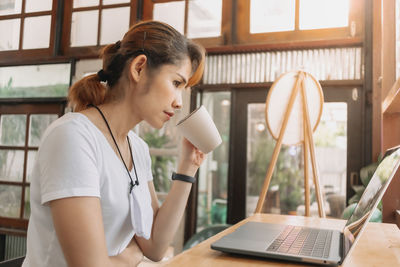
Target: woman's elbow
pixel 155 256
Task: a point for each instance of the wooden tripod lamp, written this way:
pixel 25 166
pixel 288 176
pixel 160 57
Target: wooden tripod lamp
pixel 293 111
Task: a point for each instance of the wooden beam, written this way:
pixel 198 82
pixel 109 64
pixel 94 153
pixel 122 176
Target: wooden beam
pixel 377 72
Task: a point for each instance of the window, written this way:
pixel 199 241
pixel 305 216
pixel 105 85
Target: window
pixel 93 23
pixel 286 191
pixel 298 20
pixel 46 80
pixel 21 127
pixel 204 20
pixel 27 28
pixel 212 196
pixel 24 115
pixel 164 151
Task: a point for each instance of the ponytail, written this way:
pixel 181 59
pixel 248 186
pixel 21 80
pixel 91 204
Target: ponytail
pixel 90 90
pixel 86 91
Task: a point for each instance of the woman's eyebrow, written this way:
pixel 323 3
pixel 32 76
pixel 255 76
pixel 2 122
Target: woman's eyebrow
pixel 183 78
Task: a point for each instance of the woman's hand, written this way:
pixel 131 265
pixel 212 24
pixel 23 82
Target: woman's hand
pixel 190 160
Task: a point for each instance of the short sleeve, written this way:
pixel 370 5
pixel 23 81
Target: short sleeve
pixel 67 163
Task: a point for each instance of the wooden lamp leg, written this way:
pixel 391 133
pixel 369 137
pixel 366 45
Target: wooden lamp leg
pixel 278 145
pixel 306 171
pixel 309 136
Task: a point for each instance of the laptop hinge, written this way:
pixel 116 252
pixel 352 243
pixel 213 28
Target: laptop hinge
pixel 341 247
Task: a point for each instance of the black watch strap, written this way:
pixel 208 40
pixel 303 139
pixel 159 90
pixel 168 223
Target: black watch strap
pixel 184 178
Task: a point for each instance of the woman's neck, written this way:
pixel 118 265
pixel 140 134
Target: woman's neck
pixel 120 118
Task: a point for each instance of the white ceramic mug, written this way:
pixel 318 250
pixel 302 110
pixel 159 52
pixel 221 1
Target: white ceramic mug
pixel 199 128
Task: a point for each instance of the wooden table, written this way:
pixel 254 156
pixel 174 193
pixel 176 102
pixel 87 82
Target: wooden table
pixel 379 245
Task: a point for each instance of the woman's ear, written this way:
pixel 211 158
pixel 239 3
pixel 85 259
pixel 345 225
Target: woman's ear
pixel 137 66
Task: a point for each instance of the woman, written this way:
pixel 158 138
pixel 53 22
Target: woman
pixel 93 202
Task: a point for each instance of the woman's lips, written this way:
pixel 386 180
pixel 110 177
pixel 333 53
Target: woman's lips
pixel 169 114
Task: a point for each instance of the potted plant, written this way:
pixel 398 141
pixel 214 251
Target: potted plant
pixel 366 174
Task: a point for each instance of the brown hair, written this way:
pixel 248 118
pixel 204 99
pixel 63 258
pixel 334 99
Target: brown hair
pixel 161 44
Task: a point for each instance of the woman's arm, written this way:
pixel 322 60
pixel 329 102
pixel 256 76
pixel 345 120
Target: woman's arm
pixel 169 215
pixel 79 228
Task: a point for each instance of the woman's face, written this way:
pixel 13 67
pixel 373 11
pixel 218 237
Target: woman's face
pixel 161 93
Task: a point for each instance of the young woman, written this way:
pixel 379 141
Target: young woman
pixel 93 202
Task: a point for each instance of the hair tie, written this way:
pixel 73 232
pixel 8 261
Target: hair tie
pixel 103 77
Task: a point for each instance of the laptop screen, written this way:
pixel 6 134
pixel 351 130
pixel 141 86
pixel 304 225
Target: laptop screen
pixel 370 198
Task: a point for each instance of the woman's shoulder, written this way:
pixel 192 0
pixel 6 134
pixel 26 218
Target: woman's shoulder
pixel 70 125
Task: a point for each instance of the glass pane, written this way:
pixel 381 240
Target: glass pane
pixel 8 7
pixel 84 28
pixel 13 130
pixel 27 205
pixel 286 191
pixel 83 3
pixel 204 18
pixel 111 2
pixel 213 173
pixel 330 140
pixel 9 31
pixel 36 32
pixel 272 15
pixel 317 14
pixel 172 13
pixel 11 165
pixel 30 164
pixel 10 201
pixel 49 80
pixel 114 24
pixel 37 126
pixel 163 145
pixel 162 168
pixel 167 137
pixel 38 5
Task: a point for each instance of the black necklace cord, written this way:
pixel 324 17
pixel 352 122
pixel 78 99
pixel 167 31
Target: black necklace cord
pixel 132 184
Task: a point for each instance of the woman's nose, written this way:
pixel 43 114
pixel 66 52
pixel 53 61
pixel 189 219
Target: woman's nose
pixel 177 104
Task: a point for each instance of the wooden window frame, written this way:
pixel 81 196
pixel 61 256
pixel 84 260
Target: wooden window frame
pixel 244 36
pixel 31 54
pixel 89 51
pixel 25 106
pixel 226 21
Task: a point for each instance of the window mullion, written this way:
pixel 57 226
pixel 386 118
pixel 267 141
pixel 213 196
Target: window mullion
pixel 297 15
pixel 21 26
pixel 185 26
pixel 24 172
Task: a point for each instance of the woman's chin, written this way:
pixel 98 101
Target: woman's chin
pixel 156 125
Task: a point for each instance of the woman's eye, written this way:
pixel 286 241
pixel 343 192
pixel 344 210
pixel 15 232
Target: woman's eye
pixel 177 83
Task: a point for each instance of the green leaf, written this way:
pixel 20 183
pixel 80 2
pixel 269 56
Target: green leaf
pixel 354 199
pixel 367 172
pixel 359 189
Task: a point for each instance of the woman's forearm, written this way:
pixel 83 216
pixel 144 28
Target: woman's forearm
pixel 168 217
pixel 166 221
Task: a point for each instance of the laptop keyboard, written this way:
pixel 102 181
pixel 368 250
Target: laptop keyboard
pixel 302 241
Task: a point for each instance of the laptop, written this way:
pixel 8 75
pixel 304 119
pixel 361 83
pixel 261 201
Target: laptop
pixel 312 245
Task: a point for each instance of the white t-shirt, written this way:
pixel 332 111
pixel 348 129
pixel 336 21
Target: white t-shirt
pixel 75 159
